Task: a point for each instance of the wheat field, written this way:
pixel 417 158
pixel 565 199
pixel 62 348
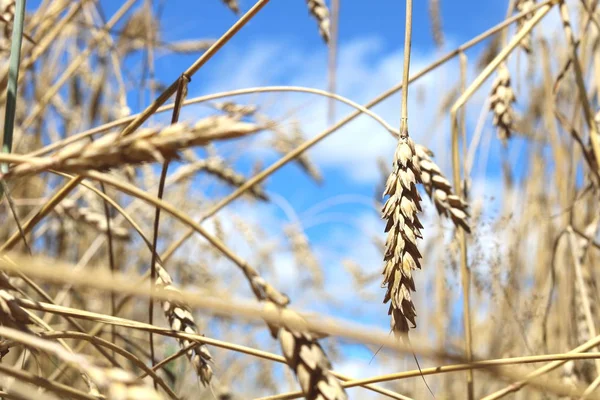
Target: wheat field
pixel 162 238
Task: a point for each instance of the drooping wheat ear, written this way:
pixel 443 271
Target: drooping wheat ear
pixel 303 253
pixel 232 5
pixel 440 191
pixel 403 229
pixel 501 99
pixel 435 15
pixel 180 318
pixel 305 356
pixel 236 110
pixel 318 9
pixel 96 220
pixel 524 6
pixel 284 143
pixel 216 166
pixel 145 145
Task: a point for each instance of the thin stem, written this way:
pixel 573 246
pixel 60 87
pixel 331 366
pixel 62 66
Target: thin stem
pixel 181 93
pixel 207 55
pixel 406 69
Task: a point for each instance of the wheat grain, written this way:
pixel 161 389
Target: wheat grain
pixel 440 190
pixel 501 99
pixel 318 9
pixel 403 229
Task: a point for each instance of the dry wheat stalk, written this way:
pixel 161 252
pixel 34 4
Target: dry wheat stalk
pixel 305 356
pixel 96 220
pixel 501 99
pixel 435 16
pixel 145 145
pixel 216 166
pixel 318 9
pixel 440 190
pixel 180 318
pixel 403 229
pixel 524 6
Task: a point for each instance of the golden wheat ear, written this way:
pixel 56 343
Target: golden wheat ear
pixel 440 191
pixel 501 99
pixel 180 318
pixel 318 9
pixel 403 229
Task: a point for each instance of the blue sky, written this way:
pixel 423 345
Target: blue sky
pixel 281 46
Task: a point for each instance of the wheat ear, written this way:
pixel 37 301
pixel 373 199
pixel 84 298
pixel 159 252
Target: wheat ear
pixel 145 145
pixel 180 319
pixel 318 9
pixel 403 229
pixel 232 5
pixel 305 356
pixel 95 220
pixel 440 191
pixel 524 6
pixel 501 99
